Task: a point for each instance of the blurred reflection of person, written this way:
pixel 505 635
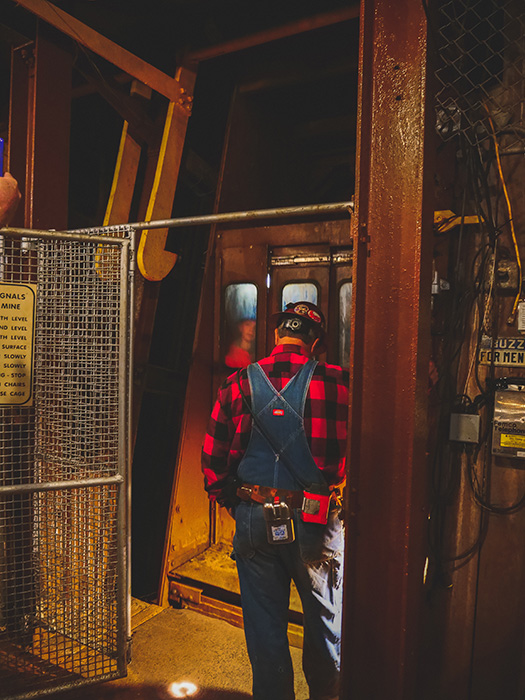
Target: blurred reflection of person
pixel 241 352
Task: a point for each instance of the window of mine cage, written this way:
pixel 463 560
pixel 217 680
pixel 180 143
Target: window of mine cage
pixel 240 317
pixel 299 291
pixel 345 306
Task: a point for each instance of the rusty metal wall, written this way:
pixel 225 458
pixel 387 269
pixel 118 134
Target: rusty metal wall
pixel 63 473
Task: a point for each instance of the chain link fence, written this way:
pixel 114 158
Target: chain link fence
pixel 481 72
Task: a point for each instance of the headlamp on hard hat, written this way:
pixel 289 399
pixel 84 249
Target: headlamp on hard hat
pixel 297 325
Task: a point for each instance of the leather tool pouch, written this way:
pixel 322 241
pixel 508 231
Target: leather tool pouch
pixel 316 504
pixel 279 523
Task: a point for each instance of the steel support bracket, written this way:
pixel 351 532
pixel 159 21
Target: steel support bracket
pixel 445 220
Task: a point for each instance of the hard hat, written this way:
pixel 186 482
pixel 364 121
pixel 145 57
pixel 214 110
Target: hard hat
pixel 305 311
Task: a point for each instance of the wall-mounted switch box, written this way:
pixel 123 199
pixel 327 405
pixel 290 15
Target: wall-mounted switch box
pixel 464 427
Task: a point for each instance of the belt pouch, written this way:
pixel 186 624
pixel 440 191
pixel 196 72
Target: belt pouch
pixel 279 523
pixel 316 504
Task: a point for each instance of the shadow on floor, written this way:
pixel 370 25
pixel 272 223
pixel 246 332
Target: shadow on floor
pixel 184 647
pixel 149 692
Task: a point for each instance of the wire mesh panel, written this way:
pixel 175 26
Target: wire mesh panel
pixel 63 448
pixel 482 50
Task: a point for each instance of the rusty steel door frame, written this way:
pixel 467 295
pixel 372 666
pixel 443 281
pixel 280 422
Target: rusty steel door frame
pixel 387 494
pixel 66 588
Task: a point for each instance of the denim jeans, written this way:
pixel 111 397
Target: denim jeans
pixel 314 561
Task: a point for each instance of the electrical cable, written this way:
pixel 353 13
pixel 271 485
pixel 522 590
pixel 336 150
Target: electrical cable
pixel 511 222
pixel 483 313
pixel 479 179
pixel 481 322
pixel 445 474
pixel 477 493
pixel 473 290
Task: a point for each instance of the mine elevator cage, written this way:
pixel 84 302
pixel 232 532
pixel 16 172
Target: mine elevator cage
pixel 64 487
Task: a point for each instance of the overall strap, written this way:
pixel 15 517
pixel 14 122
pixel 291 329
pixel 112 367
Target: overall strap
pixel 293 394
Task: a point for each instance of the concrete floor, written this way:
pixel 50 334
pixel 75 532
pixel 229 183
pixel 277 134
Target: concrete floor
pixel 178 646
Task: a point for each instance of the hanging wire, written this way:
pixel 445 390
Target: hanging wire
pixel 511 221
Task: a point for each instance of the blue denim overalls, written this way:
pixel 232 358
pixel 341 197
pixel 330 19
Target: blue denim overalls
pixel 313 561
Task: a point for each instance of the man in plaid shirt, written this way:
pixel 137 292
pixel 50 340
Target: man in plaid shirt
pixel 274 455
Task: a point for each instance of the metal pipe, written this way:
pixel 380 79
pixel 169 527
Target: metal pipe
pixel 124 464
pixel 59 485
pixel 60 235
pixel 249 215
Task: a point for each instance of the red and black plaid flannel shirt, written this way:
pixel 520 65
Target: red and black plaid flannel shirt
pixel 325 418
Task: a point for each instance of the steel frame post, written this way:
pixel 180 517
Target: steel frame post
pixel 21 58
pixel 386 499
pixel 39 130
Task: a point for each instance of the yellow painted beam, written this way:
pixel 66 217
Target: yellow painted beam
pixel 153 260
pixel 124 179
pixel 107 258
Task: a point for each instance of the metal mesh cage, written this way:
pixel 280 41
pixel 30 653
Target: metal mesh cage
pixel 77 365
pixel 63 580
pixel 481 46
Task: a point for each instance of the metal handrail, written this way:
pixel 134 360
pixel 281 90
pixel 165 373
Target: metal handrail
pixel 248 215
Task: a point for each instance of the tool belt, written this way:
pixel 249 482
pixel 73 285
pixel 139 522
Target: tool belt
pixel 314 507
pixel 263 494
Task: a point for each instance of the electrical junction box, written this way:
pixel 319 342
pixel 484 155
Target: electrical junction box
pixel 506 273
pixel 464 427
pixel 508 432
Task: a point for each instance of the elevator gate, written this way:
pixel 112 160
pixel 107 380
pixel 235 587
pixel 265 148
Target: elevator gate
pixel 64 443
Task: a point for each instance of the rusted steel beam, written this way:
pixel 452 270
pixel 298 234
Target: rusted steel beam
pixel 50 114
pixel 304 25
pixel 391 227
pixel 21 57
pixel 39 120
pixel 99 44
